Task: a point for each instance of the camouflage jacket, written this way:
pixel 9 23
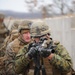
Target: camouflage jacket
pixel 60 64
pixel 2 65
pixel 4 45
pixel 3 33
pixel 11 51
pixel 7 40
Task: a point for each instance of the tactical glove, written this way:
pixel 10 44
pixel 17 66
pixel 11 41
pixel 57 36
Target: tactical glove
pixel 45 52
pixel 32 52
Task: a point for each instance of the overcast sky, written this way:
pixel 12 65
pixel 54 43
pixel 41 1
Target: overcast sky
pixel 15 5
pixel 18 5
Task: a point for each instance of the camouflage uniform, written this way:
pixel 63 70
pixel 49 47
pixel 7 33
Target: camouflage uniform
pixel 7 40
pixel 12 35
pixel 3 32
pixel 2 66
pixel 12 49
pixel 15 25
pixel 60 64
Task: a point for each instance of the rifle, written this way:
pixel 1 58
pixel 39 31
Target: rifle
pixel 39 47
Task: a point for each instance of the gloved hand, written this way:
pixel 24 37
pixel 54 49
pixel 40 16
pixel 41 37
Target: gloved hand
pixel 32 52
pixel 45 52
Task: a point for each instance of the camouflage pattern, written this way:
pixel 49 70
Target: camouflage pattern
pixel 3 34
pixel 22 62
pixel 15 25
pixel 3 48
pixel 61 61
pixel 59 65
pixel 3 30
pixel 39 28
pixel 12 35
pixel 7 40
pixel 2 65
pixel 24 25
pixel 11 51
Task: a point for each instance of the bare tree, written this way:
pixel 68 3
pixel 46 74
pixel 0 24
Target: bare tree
pixel 73 5
pixel 49 9
pixel 62 4
pixel 31 4
pixel 44 12
pixel 34 3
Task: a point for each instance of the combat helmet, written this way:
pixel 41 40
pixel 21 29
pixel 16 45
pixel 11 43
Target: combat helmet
pixel 39 28
pixel 24 25
pixel 14 28
pixel 15 25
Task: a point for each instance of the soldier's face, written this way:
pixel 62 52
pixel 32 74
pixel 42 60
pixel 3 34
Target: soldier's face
pixel 47 36
pixel 26 36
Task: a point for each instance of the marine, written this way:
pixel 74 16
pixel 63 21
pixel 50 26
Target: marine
pixel 13 47
pixel 13 34
pixel 3 32
pixel 57 62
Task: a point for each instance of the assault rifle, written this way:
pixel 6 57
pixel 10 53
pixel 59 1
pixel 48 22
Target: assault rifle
pixel 41 50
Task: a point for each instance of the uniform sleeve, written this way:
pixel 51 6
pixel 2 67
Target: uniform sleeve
pixel 9 51
pixel 61 59
pixel 9 63
pixel 21 61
